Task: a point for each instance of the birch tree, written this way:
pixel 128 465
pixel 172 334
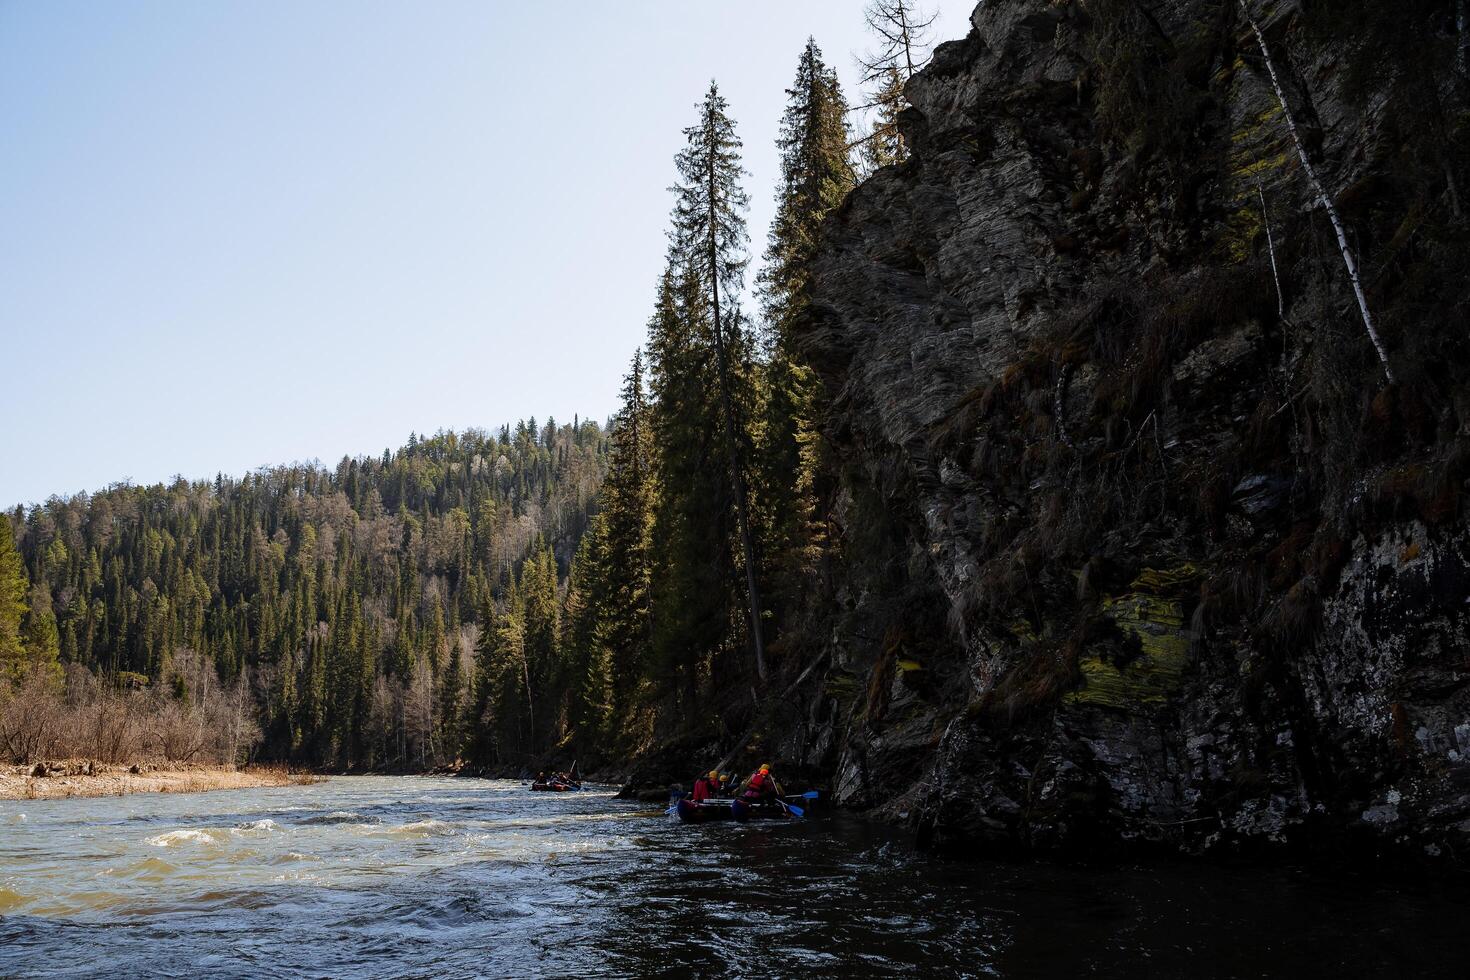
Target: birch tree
pixel 1349 260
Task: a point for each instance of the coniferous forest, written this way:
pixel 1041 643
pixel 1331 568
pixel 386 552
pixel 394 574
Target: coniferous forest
pixel 486 598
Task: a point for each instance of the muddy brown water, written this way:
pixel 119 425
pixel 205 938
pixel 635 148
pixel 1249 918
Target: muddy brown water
pixel 419 877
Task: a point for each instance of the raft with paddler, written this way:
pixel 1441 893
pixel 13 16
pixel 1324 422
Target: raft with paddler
pixel 717 796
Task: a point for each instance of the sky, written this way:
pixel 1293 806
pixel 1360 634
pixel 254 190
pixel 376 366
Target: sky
pixel 240 234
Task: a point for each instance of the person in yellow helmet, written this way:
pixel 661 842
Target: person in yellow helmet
pixel 761 786
pixel 706 786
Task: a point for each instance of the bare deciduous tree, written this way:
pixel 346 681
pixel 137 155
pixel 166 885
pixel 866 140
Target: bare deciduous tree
pixel 902 30
pixel 903 34
pixel 192 719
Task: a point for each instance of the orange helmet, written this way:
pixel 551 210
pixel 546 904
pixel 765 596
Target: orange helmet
pixel 765 768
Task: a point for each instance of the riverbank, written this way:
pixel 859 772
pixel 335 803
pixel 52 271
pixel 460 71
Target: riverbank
pixel 60 780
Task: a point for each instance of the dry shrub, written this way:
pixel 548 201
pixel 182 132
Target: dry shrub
pixel 31 719
pixel 89 719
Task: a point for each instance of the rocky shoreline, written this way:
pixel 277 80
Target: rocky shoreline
pixel 84 778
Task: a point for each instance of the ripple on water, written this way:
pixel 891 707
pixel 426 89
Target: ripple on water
pixel 148 869
pixel 417 828
pixel 336 817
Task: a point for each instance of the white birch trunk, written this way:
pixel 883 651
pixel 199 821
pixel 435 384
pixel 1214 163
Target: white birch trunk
pixel 1323 198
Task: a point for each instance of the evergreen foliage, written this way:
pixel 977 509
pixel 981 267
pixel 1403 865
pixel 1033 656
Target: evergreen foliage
pixel 347 598
pixel 705 392
pixel 816 175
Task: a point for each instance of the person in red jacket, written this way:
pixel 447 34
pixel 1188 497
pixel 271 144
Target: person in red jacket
pixel 761 786
pixel 706 786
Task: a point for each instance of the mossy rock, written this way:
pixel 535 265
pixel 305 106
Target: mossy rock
pixel 1148 680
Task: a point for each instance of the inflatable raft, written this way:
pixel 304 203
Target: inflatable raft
pixel 738 810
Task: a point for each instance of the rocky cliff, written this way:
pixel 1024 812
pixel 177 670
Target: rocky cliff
pixel 1140 547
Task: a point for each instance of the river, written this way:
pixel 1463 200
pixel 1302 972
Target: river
pixel 414 876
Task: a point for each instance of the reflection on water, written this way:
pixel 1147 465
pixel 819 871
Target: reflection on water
pixel 394 876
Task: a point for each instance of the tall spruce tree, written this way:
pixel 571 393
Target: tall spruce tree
pixel 626 520
pixel 816 174
pixel 708 243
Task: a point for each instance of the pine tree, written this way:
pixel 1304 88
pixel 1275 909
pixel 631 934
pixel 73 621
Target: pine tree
pixel 708 243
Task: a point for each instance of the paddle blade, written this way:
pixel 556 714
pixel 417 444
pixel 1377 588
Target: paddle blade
pixel 796 811
pixel 810 794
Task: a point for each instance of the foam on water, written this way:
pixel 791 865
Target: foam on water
pixel 257 827
pixel 173 838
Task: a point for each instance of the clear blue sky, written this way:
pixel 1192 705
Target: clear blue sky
pixel 240 234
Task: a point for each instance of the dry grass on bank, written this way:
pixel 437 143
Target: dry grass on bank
pixel 87 778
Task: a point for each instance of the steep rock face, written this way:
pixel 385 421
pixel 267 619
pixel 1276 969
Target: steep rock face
pixel 1141 551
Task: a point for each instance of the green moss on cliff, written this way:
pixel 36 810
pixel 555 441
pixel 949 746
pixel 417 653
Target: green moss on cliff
pixel 1156 624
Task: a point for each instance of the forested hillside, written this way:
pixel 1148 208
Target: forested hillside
pixel 493 599
pixel 347 601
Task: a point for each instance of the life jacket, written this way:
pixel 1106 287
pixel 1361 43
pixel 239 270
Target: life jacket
pixel 761 784
pixel 702 789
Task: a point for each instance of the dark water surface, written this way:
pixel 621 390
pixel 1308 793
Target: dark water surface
pixel 420 877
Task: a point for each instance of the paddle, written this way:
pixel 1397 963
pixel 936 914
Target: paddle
pixel 795 811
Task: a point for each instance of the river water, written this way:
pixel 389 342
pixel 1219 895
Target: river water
pixel 413 876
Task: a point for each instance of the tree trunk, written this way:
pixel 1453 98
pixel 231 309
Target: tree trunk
pixel 1323 198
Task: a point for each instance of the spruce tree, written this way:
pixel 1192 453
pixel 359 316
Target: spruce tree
pixel 450 692
pixel 42 641
pixel 816 174
pixel 619 553
pixel 708 243
pixel 588 659
pixel 542 631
